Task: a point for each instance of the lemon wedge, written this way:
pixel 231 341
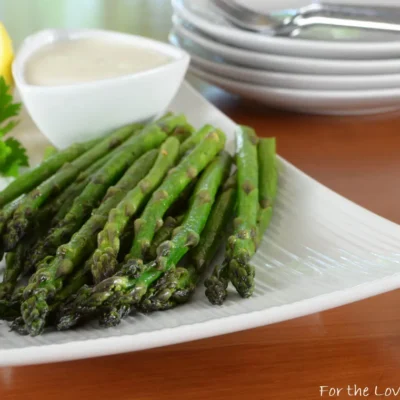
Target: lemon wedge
pixel 6 55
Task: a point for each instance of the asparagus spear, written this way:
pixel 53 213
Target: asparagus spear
pixel 7 286
pixel 11 306
pixel 173 288
pixel 242 244
pixel 5 215
pixel 220 217
pixel 11 310
pixel 38 249
pixel 19 261
pixel 125 242
pixel 184 238
pixel 152 136
pixel 191 142
pixel 7 212
pixel 105 257
pixel 180 205
pixel 48 280
pixel 14 266
pixel 176 286
pixel 119 293
pixel 136 171
pixel 61 203
pixel 56 210
pixel 268 181
pixel 28 208
pixel 86 174
pixel 164 233
pixel 183 132
pixel 168 192
pixel 35 176
pixel 80 278
pixel 217 284
pixel 188 234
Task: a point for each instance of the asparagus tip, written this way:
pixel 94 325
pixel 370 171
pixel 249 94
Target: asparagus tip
pixel 9 310
pixel 216 290
pixel 12 238
pixel 70 312
pixel 67 321
pixel 242 277
pixel 132 268
pixel 113 316
pixel 103 266
pixel 6 289
pixel 217 284
pixel 174 287
pixel 19 326
pixel 34 312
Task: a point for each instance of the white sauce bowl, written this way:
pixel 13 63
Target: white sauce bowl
pixel 83 111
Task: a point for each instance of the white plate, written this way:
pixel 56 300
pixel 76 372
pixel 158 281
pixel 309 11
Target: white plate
pixel 284 63
pixel 201 14
pixel 333 102
pixel 207 61
pixel 321 251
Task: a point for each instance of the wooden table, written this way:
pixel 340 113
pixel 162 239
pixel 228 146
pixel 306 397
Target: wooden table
pixel 353 345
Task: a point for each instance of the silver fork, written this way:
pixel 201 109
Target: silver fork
pixel 245 18
pixel 374 18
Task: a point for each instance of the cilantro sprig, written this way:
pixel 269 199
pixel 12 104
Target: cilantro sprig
pixel 12 153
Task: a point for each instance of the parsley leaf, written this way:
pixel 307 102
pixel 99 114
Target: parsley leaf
pixel 12 153
pixel 4 153
pixel 16 158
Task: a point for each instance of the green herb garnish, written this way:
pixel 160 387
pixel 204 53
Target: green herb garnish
pixel 12 152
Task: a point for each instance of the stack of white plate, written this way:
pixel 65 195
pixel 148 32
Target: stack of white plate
pixel 334 75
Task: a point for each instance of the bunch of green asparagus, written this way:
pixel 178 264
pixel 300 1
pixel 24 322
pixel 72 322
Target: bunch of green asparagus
pixel 131 222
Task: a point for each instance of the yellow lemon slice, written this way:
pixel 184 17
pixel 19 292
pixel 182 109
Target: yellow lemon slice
pixel 6 55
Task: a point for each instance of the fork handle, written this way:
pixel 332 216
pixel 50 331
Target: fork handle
pixel 383 13
pixel 350 12
pixel 378 18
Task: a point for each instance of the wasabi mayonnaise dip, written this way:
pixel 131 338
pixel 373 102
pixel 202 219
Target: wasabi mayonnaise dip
pixel 88 59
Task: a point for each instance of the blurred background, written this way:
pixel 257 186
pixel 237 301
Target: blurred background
pixel 145 17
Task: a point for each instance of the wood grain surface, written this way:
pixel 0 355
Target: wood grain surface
pixel 358 344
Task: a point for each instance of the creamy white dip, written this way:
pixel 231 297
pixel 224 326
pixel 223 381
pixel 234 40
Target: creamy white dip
pixel 86 60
